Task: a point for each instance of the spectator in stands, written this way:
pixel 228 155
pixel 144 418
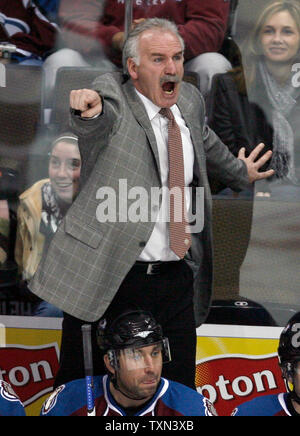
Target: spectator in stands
pixel 43 206
pixel 23 25
pixel 286 403
pixel 94 30
pixel 261 101
pixel 258 103
pixel 10 403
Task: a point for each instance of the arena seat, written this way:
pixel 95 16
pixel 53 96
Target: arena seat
pixel 230 47
pixel 67 79
pixel 20 110
pixel 239 312
pixel 243 311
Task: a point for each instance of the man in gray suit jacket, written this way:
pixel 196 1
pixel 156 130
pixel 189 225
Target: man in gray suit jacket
pixel 106 256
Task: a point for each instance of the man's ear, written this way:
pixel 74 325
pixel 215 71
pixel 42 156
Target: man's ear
pixel 108 365
pixel 132 68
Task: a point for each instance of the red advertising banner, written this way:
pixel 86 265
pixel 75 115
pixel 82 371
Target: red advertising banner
pixel 230 380
pixel 29 370
pixel 29 357
pixel 237 363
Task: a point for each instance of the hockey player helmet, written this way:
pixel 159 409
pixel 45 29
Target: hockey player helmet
pixel 289 350
pixel 289 343
pixel 131 331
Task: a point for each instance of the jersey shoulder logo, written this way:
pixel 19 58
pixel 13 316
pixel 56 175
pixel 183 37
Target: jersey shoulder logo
pixel 209 408
pixel 7 392
pixel 51 401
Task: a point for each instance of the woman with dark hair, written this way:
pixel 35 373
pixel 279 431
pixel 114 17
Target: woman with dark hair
pixel 43 206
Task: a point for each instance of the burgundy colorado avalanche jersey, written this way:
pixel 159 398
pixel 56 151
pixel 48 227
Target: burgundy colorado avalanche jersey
pixel 268 405
pixel 171 399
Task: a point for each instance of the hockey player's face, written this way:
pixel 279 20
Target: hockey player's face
pixel 296 380
pixel 159 72
pixel 140 371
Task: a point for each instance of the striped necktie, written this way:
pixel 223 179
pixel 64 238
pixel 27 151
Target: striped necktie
pixel 180 236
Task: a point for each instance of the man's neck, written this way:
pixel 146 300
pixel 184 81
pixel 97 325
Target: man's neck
pixel 124 401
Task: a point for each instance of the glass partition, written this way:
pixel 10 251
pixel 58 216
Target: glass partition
pixel 254 97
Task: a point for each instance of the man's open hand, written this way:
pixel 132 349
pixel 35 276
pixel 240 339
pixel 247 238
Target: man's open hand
pixel 254 164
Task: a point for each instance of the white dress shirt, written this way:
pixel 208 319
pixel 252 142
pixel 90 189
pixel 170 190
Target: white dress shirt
pixel 158 247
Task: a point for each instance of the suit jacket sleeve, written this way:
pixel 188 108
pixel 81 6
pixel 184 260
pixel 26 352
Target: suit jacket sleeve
pixel 94 134
pixel 222 165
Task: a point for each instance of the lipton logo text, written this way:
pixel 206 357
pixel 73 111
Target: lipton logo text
pixel 29 370
pixel 230 380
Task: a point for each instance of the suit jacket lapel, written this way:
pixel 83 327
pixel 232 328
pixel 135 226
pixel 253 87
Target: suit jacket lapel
pixel 195 127
pixel 142 118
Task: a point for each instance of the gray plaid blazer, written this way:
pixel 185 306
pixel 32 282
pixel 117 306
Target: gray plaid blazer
pixel 86 261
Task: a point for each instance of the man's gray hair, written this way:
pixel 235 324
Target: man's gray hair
pixel 131 46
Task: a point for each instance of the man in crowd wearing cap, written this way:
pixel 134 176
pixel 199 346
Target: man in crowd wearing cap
pixel 135 351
